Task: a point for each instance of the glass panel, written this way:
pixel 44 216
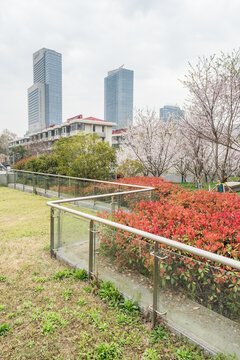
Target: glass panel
pixel 72 240
pixel 126 261
pixel 52 186
pixel 200 299
pixel 19 181
pixel 67 188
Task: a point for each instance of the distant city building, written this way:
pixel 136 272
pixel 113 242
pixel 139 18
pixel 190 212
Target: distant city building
pixel 45 95
pixel 43 140
pixel 118 97
pixel 170 112
pixel 118 137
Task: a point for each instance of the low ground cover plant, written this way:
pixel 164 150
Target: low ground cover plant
pixel 207 220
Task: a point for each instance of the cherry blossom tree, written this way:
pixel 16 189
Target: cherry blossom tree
pixel 152 142
pixel 214 106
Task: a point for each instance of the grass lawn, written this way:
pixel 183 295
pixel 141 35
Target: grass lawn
pixel 192 186
pixel 46 318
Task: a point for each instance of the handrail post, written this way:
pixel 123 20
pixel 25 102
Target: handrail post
pixel 119 198
pixel 112 204
pixel 94 192
pixel 59 229
pixel 6 178
pixel 75 188
pixel 14 179
pixel 45 184
pixel 23 182
pixel 59 190
pixel 155 283
pixel 52 232
pixel 33 183
pixel 90 264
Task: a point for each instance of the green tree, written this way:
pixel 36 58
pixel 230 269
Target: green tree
pixel 131 168
pixel 18 153
pixel 84 155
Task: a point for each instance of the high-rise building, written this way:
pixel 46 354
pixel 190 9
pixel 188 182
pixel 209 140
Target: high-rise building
pixel 118 97
pixel 170 112
pixel 45 95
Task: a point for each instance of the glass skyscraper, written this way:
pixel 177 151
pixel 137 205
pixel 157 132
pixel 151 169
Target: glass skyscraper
pixel 45 96
pixel 118 97
pixel 169 112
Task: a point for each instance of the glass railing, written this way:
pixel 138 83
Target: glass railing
pixel 196 292
pixel 58 186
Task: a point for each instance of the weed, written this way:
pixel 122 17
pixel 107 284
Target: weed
pixel 39 279
pixel 37 313
pixel 30 344
pixel 20 312
pixel 157 334
pixel 82 302
pixel 129 306
pixel 67 294
pixel 102 326
pixel 10 315
pixel 107 351
pixel 63 274
pixel 80 275
pixel 108 292
pixel 93 317
pixel 27 305
pixel 18 321
pixel 122 319
pixel 2 307
pixel 39 288
pixel 151 354
pixel 46 248
pixel 68 273
pixel 2 278
pixel 36 272
pixel 4 329
pixel 87 289
pixel 50 321
pixel 184 354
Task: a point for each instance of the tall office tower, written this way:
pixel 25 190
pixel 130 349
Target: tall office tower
pixel 45 96
pixel 118 97
pixel 170 112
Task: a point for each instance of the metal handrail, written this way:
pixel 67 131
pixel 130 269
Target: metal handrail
pixel 159 239
pixel 172 243
pixel 83 179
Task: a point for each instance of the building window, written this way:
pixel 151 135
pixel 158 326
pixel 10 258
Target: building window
pixel 103 128
pixel 81 126
pixel 94 128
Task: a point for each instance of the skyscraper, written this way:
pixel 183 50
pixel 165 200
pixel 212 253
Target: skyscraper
pixel 45 95
pixel 118 97
pixel 170 112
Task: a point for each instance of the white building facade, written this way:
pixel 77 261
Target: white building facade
pixel 67 129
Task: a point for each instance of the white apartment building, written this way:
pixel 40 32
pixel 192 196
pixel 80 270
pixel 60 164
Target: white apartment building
pixel 67 129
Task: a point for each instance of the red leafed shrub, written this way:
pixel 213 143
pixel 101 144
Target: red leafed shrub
pixel 20 165
pixel 207 220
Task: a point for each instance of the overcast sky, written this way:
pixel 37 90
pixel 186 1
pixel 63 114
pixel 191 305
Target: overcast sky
pixel 155 38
